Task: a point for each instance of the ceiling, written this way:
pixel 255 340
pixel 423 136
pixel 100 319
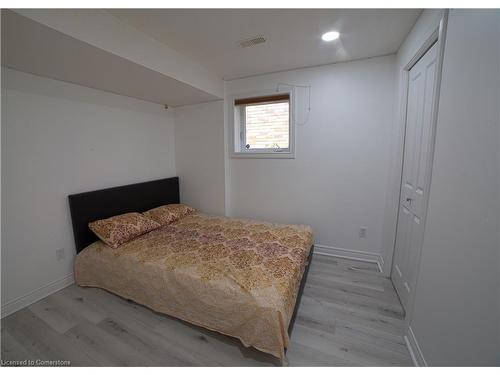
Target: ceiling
pixel 34 48
pixel 211 36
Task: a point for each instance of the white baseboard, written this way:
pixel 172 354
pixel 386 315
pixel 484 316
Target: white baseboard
pixel 364 256
pixel 414 349
pixel 36 295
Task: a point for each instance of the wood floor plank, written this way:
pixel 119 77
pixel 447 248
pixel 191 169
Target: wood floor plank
pixel 347 264
pixel 355 352
pixel 161 352
pixel 105 346
pixel 386 295
pixel 349 315
pixel 366 280
pixel 58 319
pixel 73 302
pixel 367 303
pixel 12 349
pixel 303 355
pixel 346 331
pixel 41 341
pixel 317 308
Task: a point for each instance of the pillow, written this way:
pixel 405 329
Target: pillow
pixel 117 230
pixel 169 213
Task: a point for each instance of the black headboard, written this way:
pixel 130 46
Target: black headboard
pixel 101 204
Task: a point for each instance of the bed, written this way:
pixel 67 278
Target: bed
pixel 239 277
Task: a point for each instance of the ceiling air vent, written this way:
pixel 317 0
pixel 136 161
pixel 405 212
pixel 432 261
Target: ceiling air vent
pixel 251 41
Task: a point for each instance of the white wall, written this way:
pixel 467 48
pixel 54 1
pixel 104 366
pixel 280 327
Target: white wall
pixel 59 139
pixel 426 24
pixel 455 316
pixel 199 155
pixel 338 180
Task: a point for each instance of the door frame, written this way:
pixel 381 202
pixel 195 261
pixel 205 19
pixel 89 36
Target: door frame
pixel 438 36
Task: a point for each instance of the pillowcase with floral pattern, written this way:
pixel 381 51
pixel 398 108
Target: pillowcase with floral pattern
pixel 169 213
pixel 117 230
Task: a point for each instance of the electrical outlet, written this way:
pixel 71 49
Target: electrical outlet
pixel 362 232
pixel 60 255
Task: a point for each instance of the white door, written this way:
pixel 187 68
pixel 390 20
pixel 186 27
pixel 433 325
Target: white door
pixel 416 174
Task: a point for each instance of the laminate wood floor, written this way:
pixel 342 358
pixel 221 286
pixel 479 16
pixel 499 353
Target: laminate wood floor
pixel 349 315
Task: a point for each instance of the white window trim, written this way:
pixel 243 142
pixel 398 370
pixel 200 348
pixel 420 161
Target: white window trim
pixel 259 153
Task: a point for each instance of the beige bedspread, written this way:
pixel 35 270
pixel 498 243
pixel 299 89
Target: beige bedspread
pixel 234 276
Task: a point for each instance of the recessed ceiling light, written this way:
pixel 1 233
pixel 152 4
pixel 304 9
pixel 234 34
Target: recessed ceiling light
pixel 329 36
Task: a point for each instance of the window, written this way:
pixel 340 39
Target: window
pixel 262 126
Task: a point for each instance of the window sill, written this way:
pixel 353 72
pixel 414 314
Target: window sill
pixel 263 155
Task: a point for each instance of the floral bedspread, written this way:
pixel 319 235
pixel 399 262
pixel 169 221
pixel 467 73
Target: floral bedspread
pixel 238 277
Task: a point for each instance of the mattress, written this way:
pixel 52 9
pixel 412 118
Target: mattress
pixel 234 276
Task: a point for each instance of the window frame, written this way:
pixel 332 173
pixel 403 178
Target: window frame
pixel 236 150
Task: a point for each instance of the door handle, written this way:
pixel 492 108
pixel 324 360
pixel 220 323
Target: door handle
pixel 409 200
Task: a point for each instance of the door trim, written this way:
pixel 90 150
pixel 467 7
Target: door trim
pixel 438 36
